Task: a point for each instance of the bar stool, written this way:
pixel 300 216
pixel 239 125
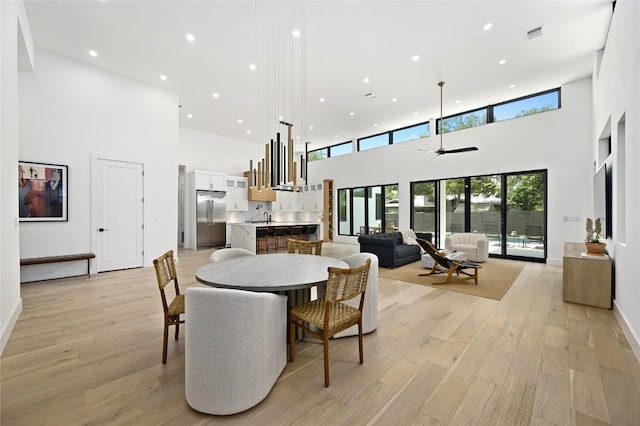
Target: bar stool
pixel 311 230
pixel 261 235
pixel 295 232
pixel 280 236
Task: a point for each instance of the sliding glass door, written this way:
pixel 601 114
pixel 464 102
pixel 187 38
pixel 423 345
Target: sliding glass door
pixel 424 207
pixel 486 209
pixel 453 197
pixel 525 223
pixel 515 228
pixel 368 210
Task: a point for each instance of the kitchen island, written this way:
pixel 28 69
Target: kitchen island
pixel 243 234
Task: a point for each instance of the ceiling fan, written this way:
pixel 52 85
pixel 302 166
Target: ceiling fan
pixel 441 150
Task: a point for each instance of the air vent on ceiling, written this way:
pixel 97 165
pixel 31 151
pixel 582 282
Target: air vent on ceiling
pixel 536 32
pixel 369 95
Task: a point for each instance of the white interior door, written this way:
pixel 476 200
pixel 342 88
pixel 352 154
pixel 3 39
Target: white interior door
pixel 120 215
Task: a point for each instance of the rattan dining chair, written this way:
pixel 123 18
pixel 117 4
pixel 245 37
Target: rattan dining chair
pixel 305 247
pixel 325 317
pixel 166 273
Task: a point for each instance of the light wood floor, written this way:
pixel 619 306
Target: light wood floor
pixel 88 351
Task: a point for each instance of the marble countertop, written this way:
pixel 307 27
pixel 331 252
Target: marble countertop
pixel 254 225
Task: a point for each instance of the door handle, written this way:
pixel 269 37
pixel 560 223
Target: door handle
pixel 102 229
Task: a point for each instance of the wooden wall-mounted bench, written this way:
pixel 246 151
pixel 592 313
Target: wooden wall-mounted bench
pixel 63 258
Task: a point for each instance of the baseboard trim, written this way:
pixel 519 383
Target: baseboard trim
pixel 633 340
pixel 9 328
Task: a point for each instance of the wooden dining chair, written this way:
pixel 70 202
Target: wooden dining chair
pixel 165 273
pixel 305 247
pixel 323 318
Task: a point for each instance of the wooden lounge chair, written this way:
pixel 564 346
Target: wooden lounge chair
pixel 444 265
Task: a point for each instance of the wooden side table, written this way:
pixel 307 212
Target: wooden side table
pixel 586 279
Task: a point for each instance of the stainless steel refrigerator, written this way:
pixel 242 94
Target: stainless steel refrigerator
pixel 211 220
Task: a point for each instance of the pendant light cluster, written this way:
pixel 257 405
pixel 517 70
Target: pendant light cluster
pixel 281 42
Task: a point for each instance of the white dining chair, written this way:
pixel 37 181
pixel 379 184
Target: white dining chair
pixel 229 253
pixel 235 348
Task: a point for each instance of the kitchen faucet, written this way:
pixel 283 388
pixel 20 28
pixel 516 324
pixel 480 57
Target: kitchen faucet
pixel 267 216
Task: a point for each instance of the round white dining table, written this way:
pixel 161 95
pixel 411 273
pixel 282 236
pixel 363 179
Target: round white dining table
pixel 290 274
pixel 269 272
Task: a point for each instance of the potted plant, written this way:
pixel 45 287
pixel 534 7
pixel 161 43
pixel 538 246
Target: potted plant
pixel 593 241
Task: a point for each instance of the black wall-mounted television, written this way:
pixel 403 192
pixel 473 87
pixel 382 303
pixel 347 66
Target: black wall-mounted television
pixel 602 199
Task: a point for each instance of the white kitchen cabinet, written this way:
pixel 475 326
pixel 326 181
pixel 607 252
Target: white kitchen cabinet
pixel 285 201
pixel 237 194
pixel 310 199
pixel 210 181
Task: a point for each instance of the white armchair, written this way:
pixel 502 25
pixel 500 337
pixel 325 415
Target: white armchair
pixel 370 309
pixel 475 245
pixel 235 348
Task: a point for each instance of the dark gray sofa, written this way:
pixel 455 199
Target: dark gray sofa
pixel 389 248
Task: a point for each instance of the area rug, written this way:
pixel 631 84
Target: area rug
pixel 494 279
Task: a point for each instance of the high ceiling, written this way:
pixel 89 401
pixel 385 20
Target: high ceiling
pixel 341 44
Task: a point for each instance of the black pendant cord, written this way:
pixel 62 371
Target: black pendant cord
pixel 441 84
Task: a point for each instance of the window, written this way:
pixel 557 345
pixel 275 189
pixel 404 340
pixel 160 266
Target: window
pixel 358 210
pixel 391 208
pixel 318 154
pixel 411 133
pixel 534 104
pixel 344 211
pixel 373 142
pixel 341 149
pixel 463 121
pixel 368 210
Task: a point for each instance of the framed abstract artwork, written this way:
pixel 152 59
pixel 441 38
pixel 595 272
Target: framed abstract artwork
pixel 42 192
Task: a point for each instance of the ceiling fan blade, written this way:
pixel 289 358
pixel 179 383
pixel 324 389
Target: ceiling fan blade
pixel 459 150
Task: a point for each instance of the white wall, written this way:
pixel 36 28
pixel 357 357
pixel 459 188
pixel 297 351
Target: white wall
pixel 69 111
pixel 15 40
pixel 559 141
pixel 616 92
pixel 216 153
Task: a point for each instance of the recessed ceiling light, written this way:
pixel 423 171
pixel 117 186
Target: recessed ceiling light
pixel 280 117
pixel 512 86
pixel 352 113
pixel 216 95
pixel 163 77
pixel 366 79
pixel 295 33
pixel 190 37
pixel 310 127
pixel 502 61
pixel 249 131
pixel 415 58
pixel 457 101
pixel 239 120
pixel 415 113
pixel 487 26
pixel 298 137
pixel 394 99
pixel 93 53
pixel 189 116
pixel 252 67
pixel 375 124
pixel 321 99
pixel 335 136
